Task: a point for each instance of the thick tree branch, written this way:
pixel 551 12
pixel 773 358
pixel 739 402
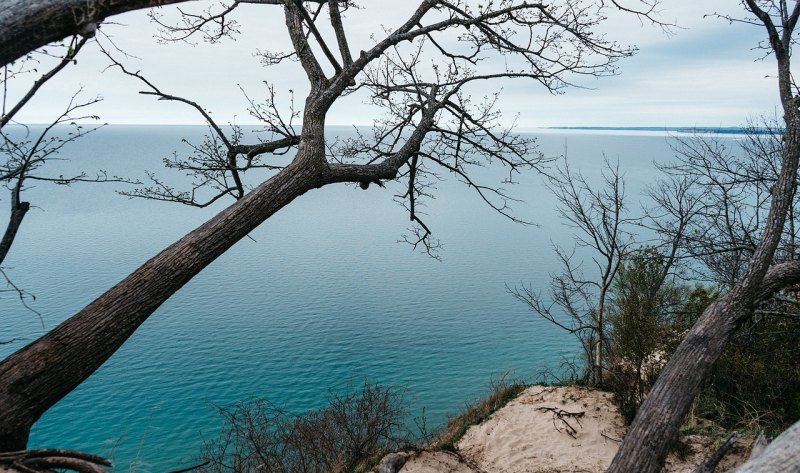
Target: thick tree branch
pixel 423 111
pixel 18 211
pixel 294 23
pixel 320 40
pixel 87 339
pixel 778 277
pixel 26 26
pixel 338 28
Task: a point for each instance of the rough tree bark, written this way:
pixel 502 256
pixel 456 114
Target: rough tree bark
pixel 40 374
pixel 18 211
pixel 27 25
pixel 660 416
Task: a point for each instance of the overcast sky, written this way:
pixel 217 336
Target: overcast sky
pixel 705 74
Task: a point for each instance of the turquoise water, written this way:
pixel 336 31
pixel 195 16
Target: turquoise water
pixel 323 294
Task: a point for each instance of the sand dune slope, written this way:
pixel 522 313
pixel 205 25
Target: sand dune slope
pixel 549 430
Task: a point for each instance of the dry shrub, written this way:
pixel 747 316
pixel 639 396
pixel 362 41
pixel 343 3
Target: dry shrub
pixel 349 434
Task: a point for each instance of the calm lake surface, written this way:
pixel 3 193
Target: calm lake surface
pixel 321 296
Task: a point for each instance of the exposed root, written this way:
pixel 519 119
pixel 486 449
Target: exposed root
pixel 46 460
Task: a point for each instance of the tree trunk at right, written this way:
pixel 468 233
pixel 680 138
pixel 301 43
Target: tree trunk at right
pixel 666 405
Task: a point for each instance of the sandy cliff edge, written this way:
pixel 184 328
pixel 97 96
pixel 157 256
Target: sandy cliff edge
pixel 554 429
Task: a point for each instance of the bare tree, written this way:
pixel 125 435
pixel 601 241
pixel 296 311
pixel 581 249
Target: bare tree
pixel 674 203
pixel 577 301
pixel 661 414
pixel 430 122
pixel 721 191
pixel 25 154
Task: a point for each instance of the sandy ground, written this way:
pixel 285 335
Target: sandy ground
pixel 553 429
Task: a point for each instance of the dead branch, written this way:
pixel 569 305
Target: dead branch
pixel 560 415
pixel 711 463
pixel 44 460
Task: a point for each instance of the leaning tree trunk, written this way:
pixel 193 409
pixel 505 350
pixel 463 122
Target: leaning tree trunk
pixel 40 374
pixel 26 25
pixel 36 377
pixel 666 405
pixel 656 424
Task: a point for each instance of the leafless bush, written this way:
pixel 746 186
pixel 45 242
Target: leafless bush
pixel 350 433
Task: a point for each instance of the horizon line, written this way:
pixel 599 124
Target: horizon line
pixel 541 127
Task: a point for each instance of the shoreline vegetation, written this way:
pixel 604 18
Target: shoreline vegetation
pixel 572 426
pixel 516 427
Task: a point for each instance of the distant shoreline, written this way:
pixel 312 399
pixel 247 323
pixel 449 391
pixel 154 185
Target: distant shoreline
pixel 675 129
pixel 523 129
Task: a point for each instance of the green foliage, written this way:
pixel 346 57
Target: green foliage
pixel 640 317
pixel 755 385
pixel 642 307
pixel 695 301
